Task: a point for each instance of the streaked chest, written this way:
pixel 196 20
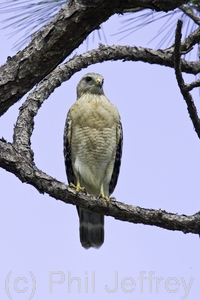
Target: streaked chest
pixel 94 111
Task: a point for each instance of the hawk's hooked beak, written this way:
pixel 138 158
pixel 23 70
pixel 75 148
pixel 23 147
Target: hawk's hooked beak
pixel 99 82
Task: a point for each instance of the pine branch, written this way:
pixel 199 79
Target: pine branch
pixel 25 122
pixel 16 163
pixel 58 39
pixel 17 158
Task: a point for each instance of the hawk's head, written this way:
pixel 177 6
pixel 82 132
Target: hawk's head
pixel 90 83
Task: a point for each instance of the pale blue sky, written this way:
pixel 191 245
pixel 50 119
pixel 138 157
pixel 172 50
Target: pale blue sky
pixel 160 169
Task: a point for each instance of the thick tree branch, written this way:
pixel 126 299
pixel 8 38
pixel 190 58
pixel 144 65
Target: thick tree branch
pixel 64 72
pixel 16 163
pixel 184 88
pixel 58 39
pixel 17 158
pixel 25 122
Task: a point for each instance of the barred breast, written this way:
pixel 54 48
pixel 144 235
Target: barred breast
pixel 93 141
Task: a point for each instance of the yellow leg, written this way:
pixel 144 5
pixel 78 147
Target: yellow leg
pixel 102 193
pixel 78 187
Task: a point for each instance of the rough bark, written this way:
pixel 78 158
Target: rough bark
pixel 12 161
pixel 18 158
pixel 44 53
pixel 58 39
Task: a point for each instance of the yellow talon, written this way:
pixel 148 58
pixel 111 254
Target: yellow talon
pixel 106 198
pixel 77 187
pixel 103 195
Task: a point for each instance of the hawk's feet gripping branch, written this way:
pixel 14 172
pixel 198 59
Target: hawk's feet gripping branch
pixel 107 198
pixel 77 187
pixel 102 195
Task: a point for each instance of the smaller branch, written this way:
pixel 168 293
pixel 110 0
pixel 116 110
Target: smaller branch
pixel 191 40
pixel 188 10
pixel 183 88
pixel 188 43
pixel 192 85
pixel 177 55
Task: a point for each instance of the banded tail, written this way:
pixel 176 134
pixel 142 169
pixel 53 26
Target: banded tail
pixel 91 228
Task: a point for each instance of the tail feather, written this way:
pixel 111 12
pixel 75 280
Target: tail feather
pixel 91 228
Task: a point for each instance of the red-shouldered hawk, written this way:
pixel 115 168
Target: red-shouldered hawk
pixel 92 150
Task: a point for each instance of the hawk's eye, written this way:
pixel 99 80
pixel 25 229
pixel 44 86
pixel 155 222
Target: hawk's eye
pixel 88 78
